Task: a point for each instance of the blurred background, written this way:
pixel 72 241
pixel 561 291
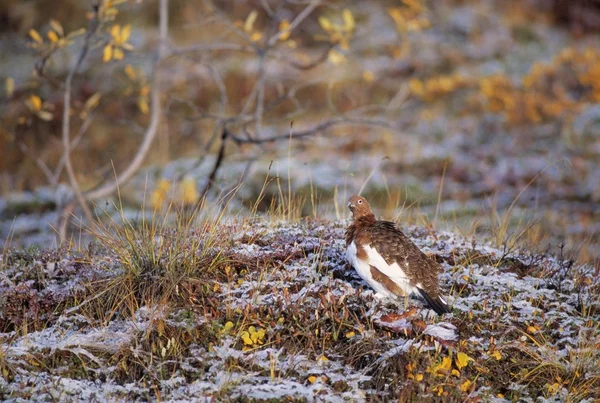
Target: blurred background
pixel 482 117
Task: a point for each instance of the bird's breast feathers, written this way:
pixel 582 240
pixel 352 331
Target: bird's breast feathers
pixel 368 257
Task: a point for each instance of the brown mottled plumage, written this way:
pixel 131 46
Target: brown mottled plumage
pixel 388 261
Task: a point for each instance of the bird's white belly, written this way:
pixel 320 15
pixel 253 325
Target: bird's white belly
pixel 363 269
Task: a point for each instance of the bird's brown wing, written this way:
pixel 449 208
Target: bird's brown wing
pixel 395 247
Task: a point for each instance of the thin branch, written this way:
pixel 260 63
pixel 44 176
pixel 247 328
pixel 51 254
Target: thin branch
pixel 342 121
pixel 218 162
pixel 297 21
pixel 152 128
pixel 82 129
pixel 38 161
pixel 208 47
pixel 67 117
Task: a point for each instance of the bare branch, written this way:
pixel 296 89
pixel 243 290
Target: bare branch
pixel 38 161
pixel 299 18
pixel 66 131
pixel 341 121
pixel 218 162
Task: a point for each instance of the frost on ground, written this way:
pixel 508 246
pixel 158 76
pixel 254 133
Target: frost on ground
pixel 285 318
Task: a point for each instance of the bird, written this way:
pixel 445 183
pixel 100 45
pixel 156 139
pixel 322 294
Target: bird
pixel 388 260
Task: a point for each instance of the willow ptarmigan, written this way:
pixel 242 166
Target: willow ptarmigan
pixel 388 261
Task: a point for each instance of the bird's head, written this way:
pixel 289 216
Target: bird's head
pixel 359 206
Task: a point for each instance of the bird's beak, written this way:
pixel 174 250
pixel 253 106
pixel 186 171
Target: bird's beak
pixel 351 205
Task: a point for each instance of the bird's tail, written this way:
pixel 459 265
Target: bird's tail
pixel 437 304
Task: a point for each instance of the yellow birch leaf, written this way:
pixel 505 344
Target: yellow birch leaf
pixel 325 24
pixel 419 377
pixel 92 101
pixel 55 25
pixel 256 36
pixel 336 57
pixel 189 192
pixel 284 29
pixel 246 338
pixel 312 379
pixel 496 354
pixel 115 31
pixel 250 20
pixel 52 36
pixel 466 386
pixel 145 90
pixel 45 115
pixel 35 35
pixel 125 33
pixel 35 103
pixel 348 18
pixel 462 360
pixel 368 76
pixel 9 86
pixel 118 54
pixel 143 106
pixel 107 53
pixel 157 197
pixel 76 33
pixel 444 366
pixel 130 72
pixel 350 335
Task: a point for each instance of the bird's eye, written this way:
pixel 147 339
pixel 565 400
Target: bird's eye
pixel 359 202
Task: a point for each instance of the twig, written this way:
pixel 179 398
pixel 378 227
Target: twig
pixel 309 132
pixel 299 18
pixel 38 161
pixel 218 162
pixel 67 118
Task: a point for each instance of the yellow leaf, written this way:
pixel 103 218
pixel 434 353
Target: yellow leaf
pixel 256 36
pixel 368 76
pixel 419 377
pixel 325 24
pixel 252 329
pixel 532 329
pixel 9 86
pixel 107 53
pixel 228 326
pixel 312 379
pixel 127 46
pixel 55 25
pixel 466 386
pixel 36 36
pixel 322 359
pixel 35 103
pixel 246 338
pixel 76 33
pixel 115 31
pixel 284 29
pixel 350 335
pixel 125 33
pixel 189 193
pixel 52 36
pixel 416 87
pixel 145 90
pixel 348 20
pixel 92 101
pixel 496 354
pixel 455 372
pixel 143 106
pixel 158 195
pixel 250 20
pixel 130 72
pixel 45 115
pixel 336 57
pixel 118 54
pixel 462 360
pixel 444 366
